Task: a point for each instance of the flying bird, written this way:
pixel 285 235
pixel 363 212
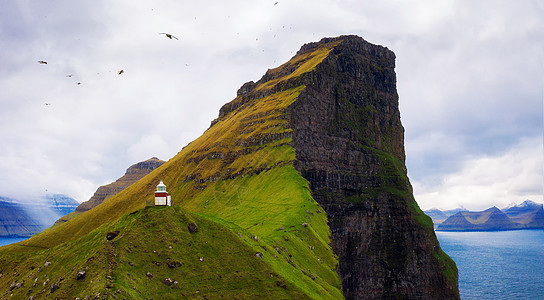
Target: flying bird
pixel 276 2
pixel 42 62
pixel 168 35
pixel 47 104
pixel 69 75
pixel 121 72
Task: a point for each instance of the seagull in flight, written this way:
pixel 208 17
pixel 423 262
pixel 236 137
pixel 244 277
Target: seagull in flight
pixel 121 72
pixel 276 2
pixel 168 35
pixel 42 62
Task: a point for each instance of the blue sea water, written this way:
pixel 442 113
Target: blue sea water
pixel 497 265
pixel 7 241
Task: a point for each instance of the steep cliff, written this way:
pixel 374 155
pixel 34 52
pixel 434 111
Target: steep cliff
pixel 304 170
pixel 349 145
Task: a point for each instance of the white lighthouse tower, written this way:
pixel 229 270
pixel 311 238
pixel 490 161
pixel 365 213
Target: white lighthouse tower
pixel 162 198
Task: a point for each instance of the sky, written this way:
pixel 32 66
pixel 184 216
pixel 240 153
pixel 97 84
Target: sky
pixel 469 76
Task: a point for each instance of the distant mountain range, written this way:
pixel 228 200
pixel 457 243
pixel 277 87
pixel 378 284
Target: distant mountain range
pixel 527 215
pixel 22 217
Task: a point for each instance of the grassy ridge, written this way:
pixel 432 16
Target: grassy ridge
pixel 212 262
pixel 238 181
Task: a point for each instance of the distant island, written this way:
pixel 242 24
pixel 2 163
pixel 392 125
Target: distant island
pixel 25 217
pixel 527 215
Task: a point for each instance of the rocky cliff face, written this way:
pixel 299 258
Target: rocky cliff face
pixel 349 145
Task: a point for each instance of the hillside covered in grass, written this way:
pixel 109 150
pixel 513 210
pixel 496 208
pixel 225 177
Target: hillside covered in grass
pixel 298 190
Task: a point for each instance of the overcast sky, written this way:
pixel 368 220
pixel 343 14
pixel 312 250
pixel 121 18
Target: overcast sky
pixel 470 80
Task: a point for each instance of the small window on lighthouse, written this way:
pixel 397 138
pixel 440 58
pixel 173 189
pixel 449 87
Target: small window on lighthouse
pixel 161 187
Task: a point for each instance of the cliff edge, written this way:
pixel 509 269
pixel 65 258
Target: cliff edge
pixel 349 145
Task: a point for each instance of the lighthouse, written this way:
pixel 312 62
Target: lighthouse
pixel 162 198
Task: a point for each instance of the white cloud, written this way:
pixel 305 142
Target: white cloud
pixel 149 146
pixel 469 78
pixel 486 181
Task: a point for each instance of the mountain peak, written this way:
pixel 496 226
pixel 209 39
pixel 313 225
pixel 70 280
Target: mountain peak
pixel 145 166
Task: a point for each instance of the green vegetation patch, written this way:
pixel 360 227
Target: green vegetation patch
pixel 260 233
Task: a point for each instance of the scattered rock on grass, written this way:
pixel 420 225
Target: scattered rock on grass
pixel 111 235
pixel 15 285
pixel 167 281
pixel 192 227
pixel 81 274
pixel 173 264
pixel 54 287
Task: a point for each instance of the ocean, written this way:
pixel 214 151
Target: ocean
pixel 497 265
pixel 7 241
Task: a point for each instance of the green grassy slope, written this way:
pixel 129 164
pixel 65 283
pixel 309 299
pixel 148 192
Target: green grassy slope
pixel 212 262
pixel 238 179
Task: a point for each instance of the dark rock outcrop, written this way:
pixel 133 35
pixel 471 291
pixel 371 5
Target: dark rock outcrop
pixel 81 274
pixel 111 235
pixel 192 227
pixel 349 145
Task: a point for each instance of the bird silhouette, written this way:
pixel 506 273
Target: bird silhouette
pixel 276 2
pixel 121 72
pixel 168 35
pixel 69 75
pixel 42 62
